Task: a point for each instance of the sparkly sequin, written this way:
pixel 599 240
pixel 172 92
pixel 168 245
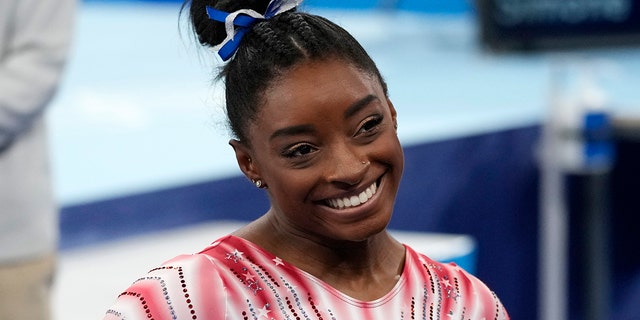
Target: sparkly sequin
pixel 234 279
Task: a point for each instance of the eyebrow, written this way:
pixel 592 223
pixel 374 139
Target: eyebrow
pixel 359 105
pixel 305 128
pixel 291 131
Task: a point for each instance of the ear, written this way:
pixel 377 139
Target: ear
pixel 243 157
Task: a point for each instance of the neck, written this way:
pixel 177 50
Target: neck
pixel 365 269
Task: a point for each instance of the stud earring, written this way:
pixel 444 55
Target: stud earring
pixel 259 184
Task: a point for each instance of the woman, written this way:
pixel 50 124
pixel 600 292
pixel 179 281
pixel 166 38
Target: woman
pixel 315 129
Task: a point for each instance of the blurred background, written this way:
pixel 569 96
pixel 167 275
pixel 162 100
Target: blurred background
pixel 520 121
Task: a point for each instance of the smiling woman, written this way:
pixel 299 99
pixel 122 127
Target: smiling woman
pixel 315 129
pixel 320 150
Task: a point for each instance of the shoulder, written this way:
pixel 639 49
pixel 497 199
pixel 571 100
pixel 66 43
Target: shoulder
pixel 454 284
pixel 182 287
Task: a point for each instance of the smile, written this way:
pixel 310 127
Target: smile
pixel 353 201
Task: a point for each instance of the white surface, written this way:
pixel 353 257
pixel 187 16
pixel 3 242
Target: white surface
pixel 136 110
pixel 90 278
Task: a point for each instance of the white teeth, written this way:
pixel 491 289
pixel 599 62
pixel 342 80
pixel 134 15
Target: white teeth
pixel 353 201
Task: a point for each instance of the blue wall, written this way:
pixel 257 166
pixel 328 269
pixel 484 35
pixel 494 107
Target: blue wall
pixel 483 185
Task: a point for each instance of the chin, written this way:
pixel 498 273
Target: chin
pixel 362 231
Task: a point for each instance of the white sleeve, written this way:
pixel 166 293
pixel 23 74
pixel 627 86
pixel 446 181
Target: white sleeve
pixel 35 37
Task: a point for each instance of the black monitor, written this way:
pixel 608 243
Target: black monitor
pixel 534 25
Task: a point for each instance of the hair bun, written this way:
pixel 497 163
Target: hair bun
pixel 210 32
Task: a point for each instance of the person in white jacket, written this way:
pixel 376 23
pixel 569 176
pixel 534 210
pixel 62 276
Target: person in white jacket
pixel 35 37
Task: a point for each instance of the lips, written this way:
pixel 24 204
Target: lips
pixel 353 201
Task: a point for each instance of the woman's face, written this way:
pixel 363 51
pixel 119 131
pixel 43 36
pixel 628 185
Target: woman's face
pixel 326 146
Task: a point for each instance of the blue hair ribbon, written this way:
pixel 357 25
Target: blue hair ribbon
pixel 238 23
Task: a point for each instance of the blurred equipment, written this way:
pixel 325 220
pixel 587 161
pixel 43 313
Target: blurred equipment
pixel 525 25
pixel 577 143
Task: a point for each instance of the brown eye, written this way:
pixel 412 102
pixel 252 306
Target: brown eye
pixel 300 150
pixel 370 125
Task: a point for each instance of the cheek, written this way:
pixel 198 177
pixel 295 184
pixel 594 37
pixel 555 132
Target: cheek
pixel 400 154
pixel 390 151
pixel 289 196
pixel 290 186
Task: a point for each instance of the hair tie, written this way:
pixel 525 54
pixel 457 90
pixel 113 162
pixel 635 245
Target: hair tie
pixel 239 22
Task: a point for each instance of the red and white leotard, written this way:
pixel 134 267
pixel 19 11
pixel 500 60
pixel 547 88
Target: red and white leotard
pixel 234 279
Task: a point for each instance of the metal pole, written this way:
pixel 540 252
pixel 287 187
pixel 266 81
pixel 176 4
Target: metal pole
pixel 553 246
pixel 553 230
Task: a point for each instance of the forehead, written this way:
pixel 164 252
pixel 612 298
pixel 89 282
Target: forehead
pixel 314 86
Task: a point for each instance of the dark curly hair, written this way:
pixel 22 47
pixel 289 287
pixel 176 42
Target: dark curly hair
pixel 269 49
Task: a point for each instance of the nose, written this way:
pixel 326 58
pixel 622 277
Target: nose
pixel 347 167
